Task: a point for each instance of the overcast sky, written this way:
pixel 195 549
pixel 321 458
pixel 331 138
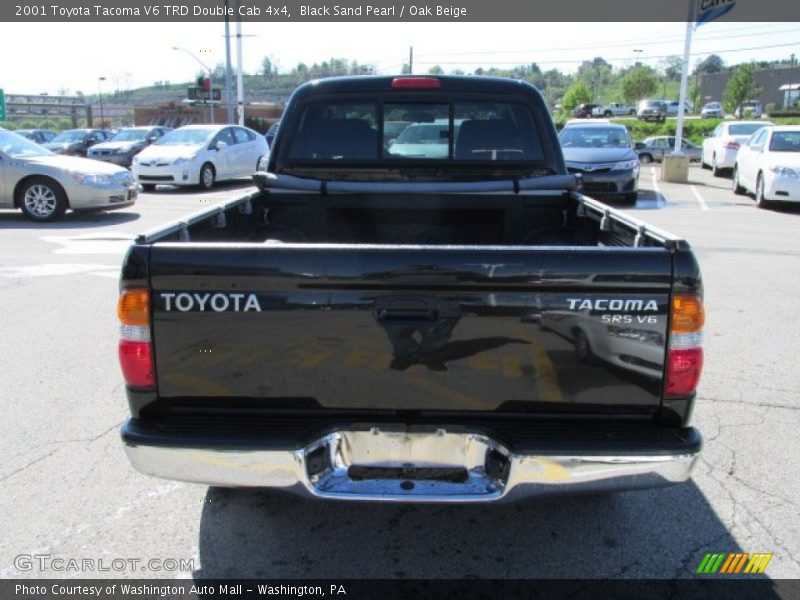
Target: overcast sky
pixel 48 57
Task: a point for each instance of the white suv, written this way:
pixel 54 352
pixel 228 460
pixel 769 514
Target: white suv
pixel 753 107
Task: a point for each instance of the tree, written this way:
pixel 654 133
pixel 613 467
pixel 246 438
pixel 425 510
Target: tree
pixel 436 70
pixel 711 64
pixel 267 67
pixel 741 88
pixel 639 82
pixel 673 67
pixel 578 93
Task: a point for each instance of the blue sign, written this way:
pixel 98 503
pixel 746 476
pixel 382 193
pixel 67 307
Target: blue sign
pixel 708 10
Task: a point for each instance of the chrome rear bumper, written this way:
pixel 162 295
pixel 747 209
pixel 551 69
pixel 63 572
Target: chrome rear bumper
pixel 382 464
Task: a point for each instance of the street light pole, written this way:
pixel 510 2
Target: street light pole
pixel 100 81
pixel 210 74
pixel 791 80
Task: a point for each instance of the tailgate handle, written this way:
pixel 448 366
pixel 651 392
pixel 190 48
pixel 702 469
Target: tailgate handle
pixel 406 309
pixel 407 314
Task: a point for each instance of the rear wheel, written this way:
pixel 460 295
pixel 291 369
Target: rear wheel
pixel 715 170
pixel 737 189
pixel 645 159
pixel 148 187
pixel 42 199
pixel 761 202
pixel 607 114
pixel 207 176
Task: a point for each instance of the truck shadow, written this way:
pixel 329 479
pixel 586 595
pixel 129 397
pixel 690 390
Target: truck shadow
pixel 640 534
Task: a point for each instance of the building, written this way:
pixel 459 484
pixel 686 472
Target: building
pixel 771 80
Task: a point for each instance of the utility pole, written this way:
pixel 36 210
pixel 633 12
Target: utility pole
pixel 411 60
pixel 239 76
pixel 228 88
pixel 791 81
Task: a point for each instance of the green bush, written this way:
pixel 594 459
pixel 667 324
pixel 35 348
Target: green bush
pixel 785 112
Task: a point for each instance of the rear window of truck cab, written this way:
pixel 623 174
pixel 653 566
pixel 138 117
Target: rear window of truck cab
pixel 390 132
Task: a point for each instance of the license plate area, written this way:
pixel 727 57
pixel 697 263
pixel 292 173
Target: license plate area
pixel 402 465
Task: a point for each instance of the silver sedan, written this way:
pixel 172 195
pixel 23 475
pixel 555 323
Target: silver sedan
pixel 44 185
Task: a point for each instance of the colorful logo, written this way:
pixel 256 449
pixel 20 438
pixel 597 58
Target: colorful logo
pixel 734 562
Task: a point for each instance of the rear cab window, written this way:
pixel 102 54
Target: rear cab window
pixel 384 133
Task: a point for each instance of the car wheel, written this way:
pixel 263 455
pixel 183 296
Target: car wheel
pixel 42 199
pixel 207 176
pixel 583 349
pixel 761 202
pixel 645 159
pixel 737 189
pixel 607 114
pixel 632 113
pixel 631 198
pixel 148 187
pixel 715 170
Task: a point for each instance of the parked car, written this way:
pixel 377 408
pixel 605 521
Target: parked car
pixel 712 110
pixel 721 146
pixel 603 155
pixel 613 109
pixel 672 107
pixel 40 136
pixel 654 149
pixel 751 109
pixel 768 165
pixel 199 155
pixel 584 111
pixel 424 140
pixel 128 142
pixel 270 135
pixel 76 142
pixel 44 185
pixel 652 110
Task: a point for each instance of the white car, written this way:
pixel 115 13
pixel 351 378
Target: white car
pixel 768 165
pixel 721 146
pixel 199 155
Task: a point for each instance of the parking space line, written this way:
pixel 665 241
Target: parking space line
pixel 654 175
pixel 700 200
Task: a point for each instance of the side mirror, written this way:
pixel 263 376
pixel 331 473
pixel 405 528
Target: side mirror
pixel 221 145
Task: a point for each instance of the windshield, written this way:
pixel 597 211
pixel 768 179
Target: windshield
pixel 131 135
pixel 594 137
pixel 713 105
pixel 188 137
pixel 785 141
pixel 17 146
pixel 69 137
pixel 744 128
pixel 424 134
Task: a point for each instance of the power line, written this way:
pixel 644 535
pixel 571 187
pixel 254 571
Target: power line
pixel 615 44
pixel 578 62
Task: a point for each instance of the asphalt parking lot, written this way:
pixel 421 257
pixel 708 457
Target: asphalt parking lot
pixel 69 492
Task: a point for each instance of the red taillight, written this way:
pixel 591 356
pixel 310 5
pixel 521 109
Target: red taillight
pixel 416 83
pixel 683 371
pixel 731 144
pixel 135 347
pixel 685 356
pixel 136 360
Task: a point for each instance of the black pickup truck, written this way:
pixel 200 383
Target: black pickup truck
pixel 417 304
